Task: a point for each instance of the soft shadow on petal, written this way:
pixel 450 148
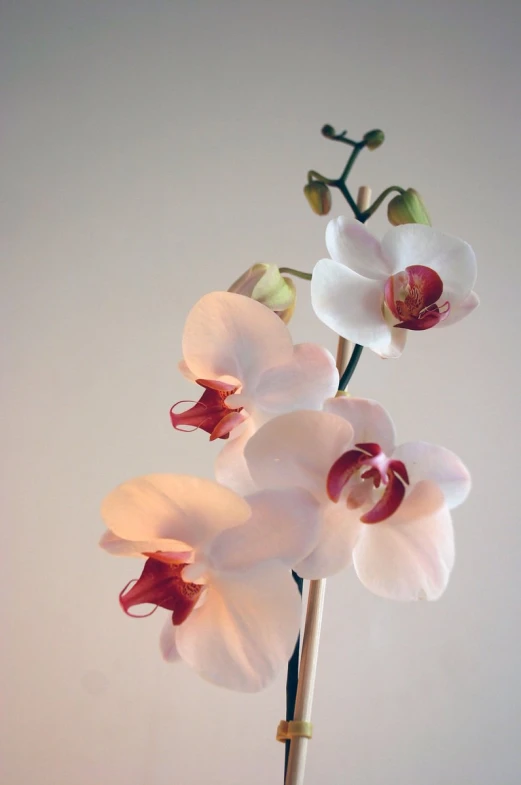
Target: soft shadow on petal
pixel 350 304
pixel 409 556
pixel 116 546
pixel 228 334
pixel 369 420
pixel 245 632
pixel 170 506
pixel 349 242
pixel 426 461
pixel 303 383
pixel 230 465
pixel 297 450
pixel 452 258
pixel 284 526
pixel 167 642
pixel 339 533
pixel 458 312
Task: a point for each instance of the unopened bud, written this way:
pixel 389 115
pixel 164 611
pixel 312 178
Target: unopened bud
pixel 374 139
pixel 327 130
pixel 264 283
pixel 408 208
pixel 318 196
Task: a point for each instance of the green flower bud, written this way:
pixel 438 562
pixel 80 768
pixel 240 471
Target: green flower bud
pixel 264 283
pixel 408 208
pixel 374 139
pixel 318 196
pixel 327 130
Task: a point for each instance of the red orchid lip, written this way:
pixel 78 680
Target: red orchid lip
pixel 392 474
pixel 412 295
pixel 161 585
pixel 210 413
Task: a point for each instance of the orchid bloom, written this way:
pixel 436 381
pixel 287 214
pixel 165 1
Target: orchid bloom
pixel 386 508
pixel 372 293
pixel 242 354
pixel 218 564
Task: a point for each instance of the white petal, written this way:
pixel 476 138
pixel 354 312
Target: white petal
pixel 369 420
pixel 303 383
pixel 350 304
pixel 349 242
pixel 425 461
pixel 284 526
pixel 338 535
pixel 116 546
pixel 230 465
pixel 410 555
pixel 167 641
pixel 231 335
pixel 188 510
pixel 458 312
pixel 297 450
pixel 452 258
pixel 246 630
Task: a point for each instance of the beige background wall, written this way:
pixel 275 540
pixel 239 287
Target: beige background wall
pixel 151 152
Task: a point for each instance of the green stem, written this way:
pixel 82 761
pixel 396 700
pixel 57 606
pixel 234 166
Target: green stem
pixel 292 681
pixel 359 146
pixel 314 176
pixel 342 187
pixel 351 366
pixel 297 273
pixel 377 202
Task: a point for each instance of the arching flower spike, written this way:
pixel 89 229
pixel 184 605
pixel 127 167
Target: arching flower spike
pixel 243 356
pixel 219 565
pixel 386 508
pixel 372 293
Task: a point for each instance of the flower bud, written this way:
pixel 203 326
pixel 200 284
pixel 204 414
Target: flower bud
pixel 327 130
pixel 408 208
pixel 374 139
pixel 264 283
pixel 318 196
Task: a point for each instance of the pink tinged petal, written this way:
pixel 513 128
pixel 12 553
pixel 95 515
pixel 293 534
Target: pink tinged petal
pixel 303 383
pixel 230 465
pixel 245 632
pixel 231 335
pixel 116 546
pixel 161 585
pixel 426 461
pixel 167 642
pixel 188 510
pixel 458 312
pixel 369 420
pixel 284 526
pixel 340 528
pixel 224 427
pixel 452 258
pixel 350 304
pixel 297 450
pixel 185 371
pixel 350 243
pixel 409 556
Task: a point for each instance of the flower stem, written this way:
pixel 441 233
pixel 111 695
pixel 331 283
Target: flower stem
pixel 292 680
pixel 351 366
pixel 297 273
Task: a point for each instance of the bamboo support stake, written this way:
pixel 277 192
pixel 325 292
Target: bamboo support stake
pixel 314 612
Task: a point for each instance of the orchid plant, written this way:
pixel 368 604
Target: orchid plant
pixel 309 480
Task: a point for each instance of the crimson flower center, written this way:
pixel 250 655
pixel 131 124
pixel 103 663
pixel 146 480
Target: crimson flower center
pixel 210 412
pixel 365 462
pixel 161 584
pixel 412 297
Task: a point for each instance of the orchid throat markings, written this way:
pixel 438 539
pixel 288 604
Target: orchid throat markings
pixel 210 413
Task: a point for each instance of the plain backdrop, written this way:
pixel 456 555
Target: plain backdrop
pixel 151 152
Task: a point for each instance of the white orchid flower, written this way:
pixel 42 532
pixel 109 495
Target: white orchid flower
pixel 372 293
